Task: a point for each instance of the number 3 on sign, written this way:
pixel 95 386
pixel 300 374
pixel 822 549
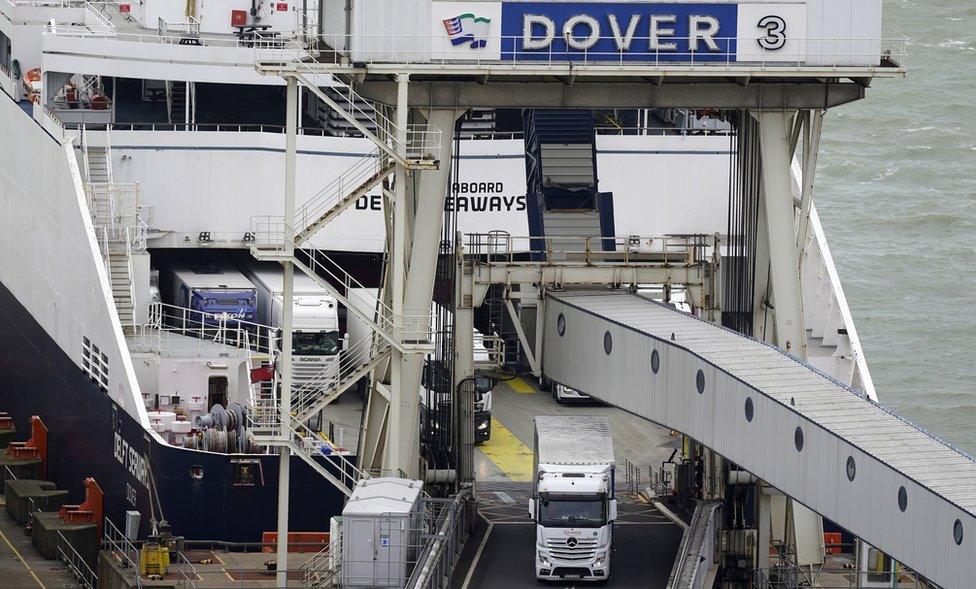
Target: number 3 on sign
pixel 775 28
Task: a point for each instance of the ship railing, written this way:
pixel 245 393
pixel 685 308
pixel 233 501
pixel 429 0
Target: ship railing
pixel 413 146
pixel 114 540
pixel 283 39
pixel 48 121
pixel 76 565
pixel 189 29
pixel 678 250
pixel 730 53
pixel 7 81
pixel 218 328
pixel 348 363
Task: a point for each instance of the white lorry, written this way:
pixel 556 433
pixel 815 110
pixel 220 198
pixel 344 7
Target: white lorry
pixel 573 502
pixel 315 324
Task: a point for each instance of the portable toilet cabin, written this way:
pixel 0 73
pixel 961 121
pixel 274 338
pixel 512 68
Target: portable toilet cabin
pixel 381 532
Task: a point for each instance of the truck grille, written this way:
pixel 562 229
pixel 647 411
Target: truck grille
pixel 585 548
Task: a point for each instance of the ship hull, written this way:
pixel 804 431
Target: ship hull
pixel 90 435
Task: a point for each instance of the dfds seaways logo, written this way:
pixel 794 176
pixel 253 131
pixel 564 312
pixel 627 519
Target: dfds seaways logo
pixel 468 28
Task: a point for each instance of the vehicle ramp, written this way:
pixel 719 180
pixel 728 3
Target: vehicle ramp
pixel 822 443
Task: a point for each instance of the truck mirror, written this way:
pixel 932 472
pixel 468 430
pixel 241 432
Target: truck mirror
pixel 345 341
pixel 613 510
pixel 532 508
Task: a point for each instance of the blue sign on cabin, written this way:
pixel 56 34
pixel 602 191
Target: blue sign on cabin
pixel 605 31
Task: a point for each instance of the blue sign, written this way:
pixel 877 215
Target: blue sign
pixel 610 31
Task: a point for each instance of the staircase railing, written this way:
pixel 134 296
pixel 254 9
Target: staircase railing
pixel 130 234
pixel 271 427
pixel 421 140
pixel 108 154
pixel 114 540
pixel 84 156
pixel 324 568
pixel 347 368
pixel 75 564
pixel 342 192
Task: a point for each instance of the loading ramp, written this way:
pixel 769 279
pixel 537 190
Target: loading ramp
pixel 829 447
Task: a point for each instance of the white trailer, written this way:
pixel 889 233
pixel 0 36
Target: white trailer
pixel 315 339
pixel 573 502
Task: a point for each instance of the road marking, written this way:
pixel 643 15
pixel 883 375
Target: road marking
pixel 22 561
pixel 519 385
pixel 508 453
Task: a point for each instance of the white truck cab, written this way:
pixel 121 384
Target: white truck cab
pixel 573 501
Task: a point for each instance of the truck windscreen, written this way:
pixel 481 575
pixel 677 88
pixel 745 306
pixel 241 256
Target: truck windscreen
pixel 315 343
pixel 574 512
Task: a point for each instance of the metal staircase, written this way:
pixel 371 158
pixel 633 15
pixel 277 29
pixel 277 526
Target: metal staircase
pixel 341 193
pixel 410 331
pixel 271 428
pixel 326 386
pixel 118 228
pixel 176 102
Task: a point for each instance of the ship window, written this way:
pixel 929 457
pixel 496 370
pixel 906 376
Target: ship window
pixel 95 363
pixel 957 532
pixel 196 472
pixel 245 473
pixel 607 343
pixel 700 382
pixel 561 324
pixel 750 409
pixel 902 498
pixel 851 468
pixel 655 361
pixel 798 439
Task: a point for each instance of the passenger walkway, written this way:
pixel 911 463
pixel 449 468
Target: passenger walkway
pixel 847 458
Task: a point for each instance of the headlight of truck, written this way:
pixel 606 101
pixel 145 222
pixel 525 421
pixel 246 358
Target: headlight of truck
pixel 544 561
pixel 600 558
pixel 483 425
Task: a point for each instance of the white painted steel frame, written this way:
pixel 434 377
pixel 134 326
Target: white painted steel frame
pixel 836 422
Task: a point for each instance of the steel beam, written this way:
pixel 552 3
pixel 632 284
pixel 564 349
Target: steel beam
pixel 774 139
pixel 608 94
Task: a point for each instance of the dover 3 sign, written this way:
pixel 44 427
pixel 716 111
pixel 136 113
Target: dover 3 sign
pixel 632 32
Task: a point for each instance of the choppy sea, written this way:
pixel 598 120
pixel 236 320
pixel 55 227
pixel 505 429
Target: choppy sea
pixel 896 191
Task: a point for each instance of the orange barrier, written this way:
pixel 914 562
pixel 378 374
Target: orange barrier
pixel 6 422
pixel 832 542
pixel 35 447
pixel 297 541
pixel 90 511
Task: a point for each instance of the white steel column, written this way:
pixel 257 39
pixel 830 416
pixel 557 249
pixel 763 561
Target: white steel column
pixel 464 361
pixel 810 155
pixel 398 256
pixel 287 311
pixel 186 105
pixel 427 222
pixel 774 130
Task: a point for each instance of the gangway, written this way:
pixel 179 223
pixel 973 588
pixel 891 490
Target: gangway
pixel 822 443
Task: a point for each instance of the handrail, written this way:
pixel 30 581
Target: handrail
pixel 131 270
pixel 108 154
pixel 114 540
pixel 188 575
pixel 75 564
pixel 422 48
pixel 346 365
pixel 502 248
pixel 214 327
pixel 84 157
pixel 102 24
pixel 358 175
pixel 325 566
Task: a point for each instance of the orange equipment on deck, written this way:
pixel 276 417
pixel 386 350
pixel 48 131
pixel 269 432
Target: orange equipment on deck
pixel 297 541
pixel 6 422
pixel 35 447
pixel 90 511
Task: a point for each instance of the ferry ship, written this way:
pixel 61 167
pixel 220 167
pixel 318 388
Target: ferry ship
pixel 142 141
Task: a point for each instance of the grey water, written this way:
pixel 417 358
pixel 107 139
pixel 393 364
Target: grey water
pixel 896 192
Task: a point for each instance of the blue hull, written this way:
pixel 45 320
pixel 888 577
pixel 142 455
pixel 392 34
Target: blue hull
pixel 92 436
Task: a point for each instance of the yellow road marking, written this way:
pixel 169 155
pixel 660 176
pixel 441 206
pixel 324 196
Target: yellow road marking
pixel 520 386
pixel 508 453
pixel 22 561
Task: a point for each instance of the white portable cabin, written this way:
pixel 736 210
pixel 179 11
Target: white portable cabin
pixel 381 532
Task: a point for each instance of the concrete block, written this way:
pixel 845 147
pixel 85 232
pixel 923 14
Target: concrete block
pixel 19 493
pixel 82 537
